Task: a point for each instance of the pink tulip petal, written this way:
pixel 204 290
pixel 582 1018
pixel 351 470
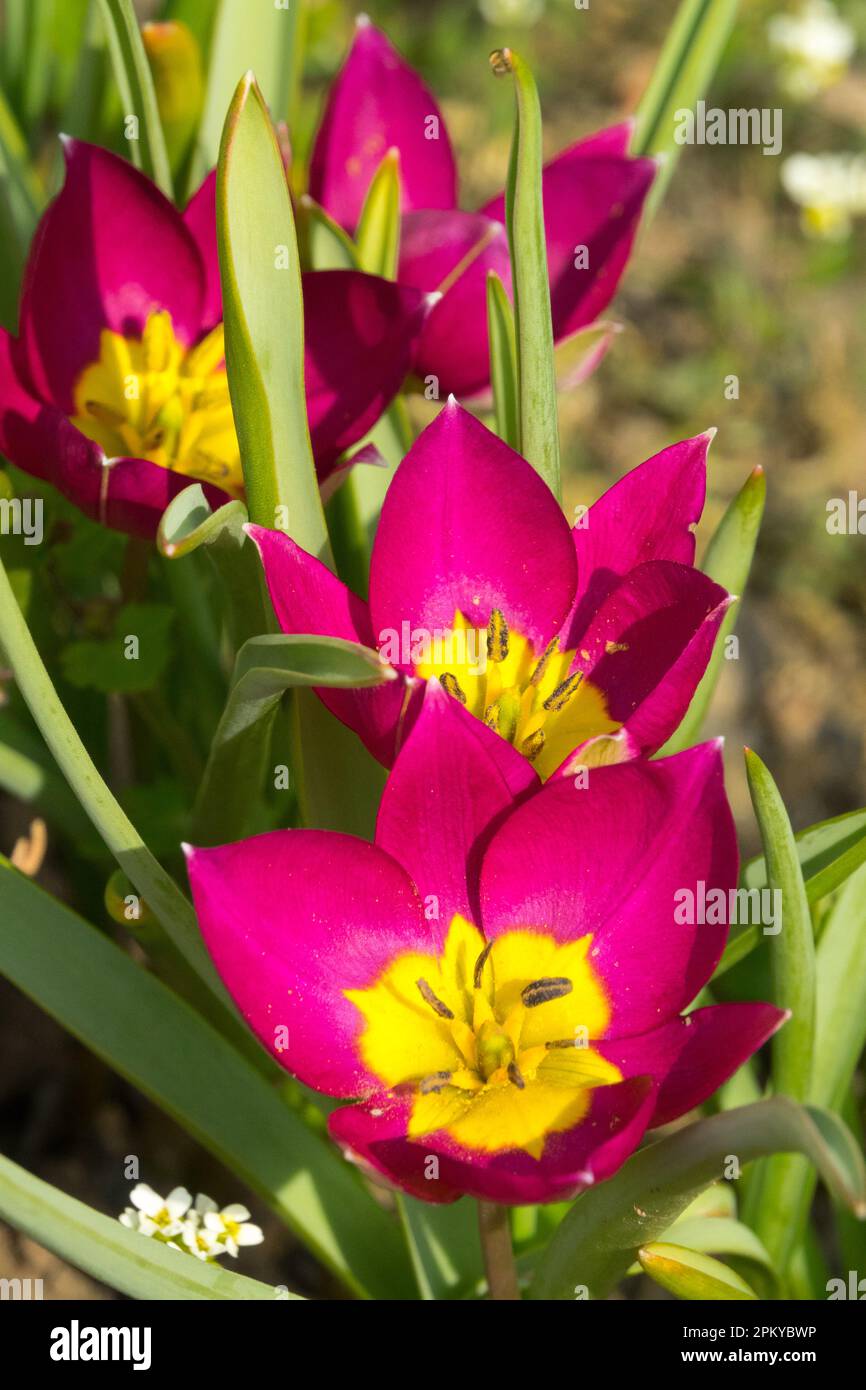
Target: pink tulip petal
pixel 468 525
pixel 376 103
pixel 650 514
pixel 648 646
pixel 200 219
pixel 453 252
pixel 309 598
pixel 691 1057
pixel 438 804
pixel 361 336
pixel 610 858
pixel 374 1133
pixel 109 251
pixel 593 198
pixel 294 918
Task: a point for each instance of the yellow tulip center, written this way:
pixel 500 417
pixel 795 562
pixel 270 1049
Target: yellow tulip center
pixel 153 398
pixel 493 1040
pixel 531 700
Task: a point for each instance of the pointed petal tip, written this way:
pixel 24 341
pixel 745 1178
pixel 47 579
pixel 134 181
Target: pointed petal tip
pixel 363 21
pixel 188 850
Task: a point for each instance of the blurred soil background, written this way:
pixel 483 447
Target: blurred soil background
pixel 724 282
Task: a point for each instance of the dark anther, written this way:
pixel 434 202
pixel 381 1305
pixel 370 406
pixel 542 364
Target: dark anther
pixel 430 998
pixel 550 650
pixel 434 1083
pixel 532 746
pixel 480 964
pixel 563 692
pixel 497 636
pixel 514 1076
pixel 566 1042
pixel 542 991
pixel 450 683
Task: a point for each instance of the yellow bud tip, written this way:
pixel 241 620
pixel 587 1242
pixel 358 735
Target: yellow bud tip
pixel 500 62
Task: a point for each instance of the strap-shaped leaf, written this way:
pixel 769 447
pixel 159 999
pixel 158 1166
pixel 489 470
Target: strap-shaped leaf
pixel 265 669
pixel 682 75
pixel 444 1246
pixel 503 361
pixel 728 560
pixel 126 1261
pixel 263 311
pixel 149 1035
pixel 606 1227
pixel 524 211
pixel 690 1275
pixel 134 79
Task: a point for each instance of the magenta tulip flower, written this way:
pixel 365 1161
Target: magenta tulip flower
pixel 591 639
pixel 498 987
pixel 593 197
pixel 116 389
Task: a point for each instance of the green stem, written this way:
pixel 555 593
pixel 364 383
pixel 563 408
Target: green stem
pixel 499 1266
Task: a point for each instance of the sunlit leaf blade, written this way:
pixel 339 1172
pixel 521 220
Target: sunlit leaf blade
pixel 829 853
pixel 444 1247
pixel 728 560
pixel 132 72
pixel 264 325
pixel 322 242
pixel 265 669
pixel 792 949
pixel 719 1236
pixel 792 967
pixel 681 77
pixel 503 361
pixel 690 1275
pixel 122 1259
pixel 256 36
pixel 841 994
pixel 378 234
pixel 151 1037
pixel 600 1237
pixel 539 431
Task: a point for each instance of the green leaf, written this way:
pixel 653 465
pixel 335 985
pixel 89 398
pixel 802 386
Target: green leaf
pixel 691 53
pixel 265 669
pixel 341 784
pixel 322 242
pixel 720 1236
pixel 444 1246
pixel 829 852
pixel 258 37
pixel 189 523
pixel 840 1028
pixel 104 665
pixel 20 204
pixel 792 949
pixel 690 1275
pixel 539 432
pixel 378 234
pixel 124 1260
pixel 503 361
pixel 132 71
pixel 264 326
pixel 600 1237
pixel 151 1037
pixel 728 560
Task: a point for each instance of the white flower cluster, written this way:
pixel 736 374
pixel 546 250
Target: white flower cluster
pixel 831 190
pixel 814 45
pixel 199 1228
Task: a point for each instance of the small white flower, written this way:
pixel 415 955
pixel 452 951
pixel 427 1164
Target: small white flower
pixel 199 1241
pixel 232 1227
pixel 815 45
pixel 155 1214
pixel 831 190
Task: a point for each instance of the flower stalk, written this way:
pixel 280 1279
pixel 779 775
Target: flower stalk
pixel 495 1233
